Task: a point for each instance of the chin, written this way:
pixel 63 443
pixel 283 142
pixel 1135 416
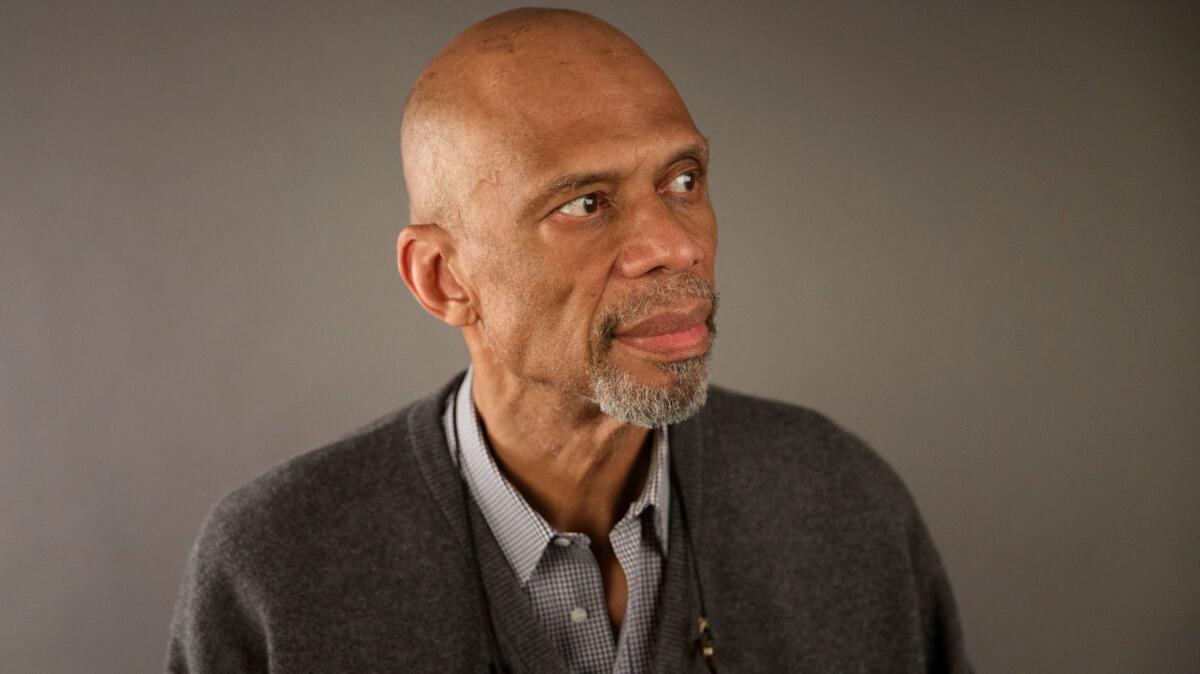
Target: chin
pixel 678 391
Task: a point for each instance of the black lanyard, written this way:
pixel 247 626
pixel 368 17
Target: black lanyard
pixel 495 662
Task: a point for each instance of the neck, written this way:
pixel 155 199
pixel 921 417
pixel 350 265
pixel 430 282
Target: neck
pixel 579 467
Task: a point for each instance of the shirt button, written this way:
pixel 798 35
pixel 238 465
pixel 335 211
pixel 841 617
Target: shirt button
pixel 578 614
pixel 562 541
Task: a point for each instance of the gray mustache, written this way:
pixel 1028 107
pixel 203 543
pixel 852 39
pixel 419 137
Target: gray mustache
pixel 661 293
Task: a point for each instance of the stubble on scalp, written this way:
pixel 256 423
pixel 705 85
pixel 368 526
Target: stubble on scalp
pixel 618 394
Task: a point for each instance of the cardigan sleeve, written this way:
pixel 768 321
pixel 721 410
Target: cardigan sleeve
pixel 217 625
pixel 944 649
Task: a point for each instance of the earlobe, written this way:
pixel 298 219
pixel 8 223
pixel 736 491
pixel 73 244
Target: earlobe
pixel 423 254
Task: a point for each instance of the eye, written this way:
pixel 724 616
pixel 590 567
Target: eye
pixel 684 182
pixel 581 206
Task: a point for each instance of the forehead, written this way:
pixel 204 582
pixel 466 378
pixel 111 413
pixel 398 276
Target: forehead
pixel 578 116
pixel 611 131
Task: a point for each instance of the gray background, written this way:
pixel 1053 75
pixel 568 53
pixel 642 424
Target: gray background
pixel 969 232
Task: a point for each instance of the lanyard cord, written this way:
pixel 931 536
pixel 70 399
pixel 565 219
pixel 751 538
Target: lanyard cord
pixel 703 643
pixel 495 663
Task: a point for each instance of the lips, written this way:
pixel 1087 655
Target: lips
pixel 667 322
pixel 679 334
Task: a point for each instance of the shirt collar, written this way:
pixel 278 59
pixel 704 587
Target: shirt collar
pixel 521 531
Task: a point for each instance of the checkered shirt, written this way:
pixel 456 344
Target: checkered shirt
pixel 557 569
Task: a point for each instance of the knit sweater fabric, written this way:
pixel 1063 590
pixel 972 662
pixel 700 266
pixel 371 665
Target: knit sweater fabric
pixel 365 556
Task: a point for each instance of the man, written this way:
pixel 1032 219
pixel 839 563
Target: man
pixel 579 500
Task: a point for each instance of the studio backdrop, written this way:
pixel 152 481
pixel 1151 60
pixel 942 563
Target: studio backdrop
pixel 969 232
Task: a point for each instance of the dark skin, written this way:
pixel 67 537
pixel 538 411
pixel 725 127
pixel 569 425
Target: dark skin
pixel 577 178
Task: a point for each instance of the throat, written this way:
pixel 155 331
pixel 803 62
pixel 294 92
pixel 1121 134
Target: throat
pixel 583 489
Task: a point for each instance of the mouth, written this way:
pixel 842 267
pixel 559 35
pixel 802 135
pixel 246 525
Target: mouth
pixel 673 335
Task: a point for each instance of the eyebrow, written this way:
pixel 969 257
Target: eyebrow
pixel 697 151
pixel 573 181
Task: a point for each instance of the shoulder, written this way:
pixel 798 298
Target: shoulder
pixel 800 451
pixel 320 478
pixel 315 548
pixel 325 499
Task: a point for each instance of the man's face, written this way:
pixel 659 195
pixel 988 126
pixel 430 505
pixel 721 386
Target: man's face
pixel 591 238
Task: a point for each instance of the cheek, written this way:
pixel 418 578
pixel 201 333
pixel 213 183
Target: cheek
pixel 704 233
pixel 531 310
pixel 705 228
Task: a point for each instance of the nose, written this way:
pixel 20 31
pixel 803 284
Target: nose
pixel 659 239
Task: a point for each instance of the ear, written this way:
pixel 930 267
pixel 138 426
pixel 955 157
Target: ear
pixel 423 254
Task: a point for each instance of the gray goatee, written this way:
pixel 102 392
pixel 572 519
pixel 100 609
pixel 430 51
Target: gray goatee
pixel 618 395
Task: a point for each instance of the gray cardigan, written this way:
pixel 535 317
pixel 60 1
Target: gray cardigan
pixel 357 557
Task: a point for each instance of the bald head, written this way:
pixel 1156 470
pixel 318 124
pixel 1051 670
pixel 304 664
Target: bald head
pixel 558 193
pixel 509 83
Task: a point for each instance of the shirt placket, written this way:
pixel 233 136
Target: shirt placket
pixel 581 610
